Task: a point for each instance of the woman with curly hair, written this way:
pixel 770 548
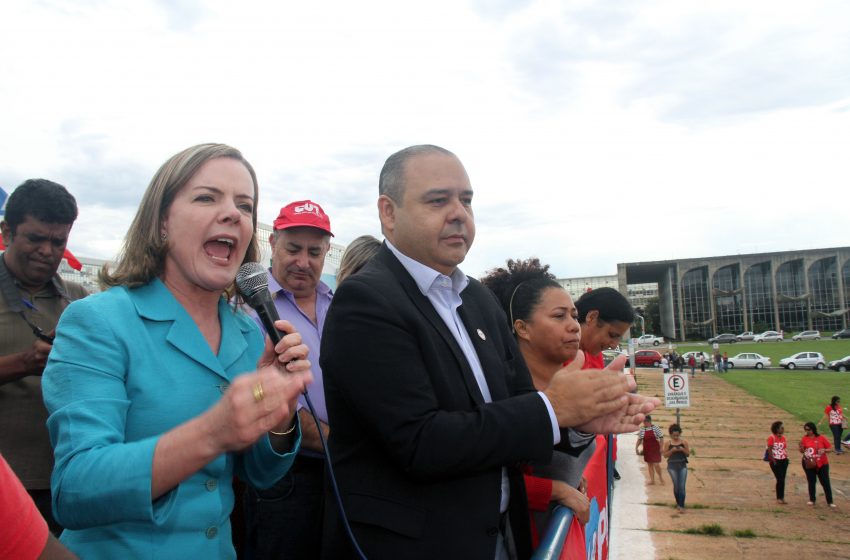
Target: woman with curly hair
pixel 545 322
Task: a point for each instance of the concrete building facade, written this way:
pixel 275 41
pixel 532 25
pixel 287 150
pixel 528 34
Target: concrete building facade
pixel 788 291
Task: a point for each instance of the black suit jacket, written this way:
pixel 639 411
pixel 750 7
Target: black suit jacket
pixel 417 452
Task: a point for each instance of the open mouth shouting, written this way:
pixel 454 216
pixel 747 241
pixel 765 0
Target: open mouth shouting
pixel 219 249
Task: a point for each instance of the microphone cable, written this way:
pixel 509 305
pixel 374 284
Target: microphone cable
pixel 332 478
pixel 252 282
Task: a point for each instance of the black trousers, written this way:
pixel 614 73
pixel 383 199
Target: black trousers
pixel 821 474
pixel 779 469
pixel 836 436
pixel 285 521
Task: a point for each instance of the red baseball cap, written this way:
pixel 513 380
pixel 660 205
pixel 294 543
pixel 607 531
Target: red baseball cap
pixel 303 213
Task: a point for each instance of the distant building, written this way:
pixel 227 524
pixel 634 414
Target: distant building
pixel 787 291
pixel 638 294
pixel 578 286
pixel 87 277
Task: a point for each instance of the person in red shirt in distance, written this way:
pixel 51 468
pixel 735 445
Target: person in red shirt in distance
pixel 815 445
pixel 834 414
pixel 777 452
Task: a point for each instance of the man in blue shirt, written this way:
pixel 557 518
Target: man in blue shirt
pixel 285 521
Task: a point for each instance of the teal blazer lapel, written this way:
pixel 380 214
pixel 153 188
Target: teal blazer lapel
pixel 155 302
pixel 234 332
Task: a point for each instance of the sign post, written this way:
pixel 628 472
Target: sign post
pixel 676 392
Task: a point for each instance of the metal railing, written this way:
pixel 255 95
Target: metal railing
pixel 552 541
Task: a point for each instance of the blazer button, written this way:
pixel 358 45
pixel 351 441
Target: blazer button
pixel 212 532
pixel 211 485
pixel 492 531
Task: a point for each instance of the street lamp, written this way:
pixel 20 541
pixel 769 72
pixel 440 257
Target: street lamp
pixel 642 325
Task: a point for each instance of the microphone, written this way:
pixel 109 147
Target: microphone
pixel 252 281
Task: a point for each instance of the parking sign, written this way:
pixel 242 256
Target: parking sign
pixel 676 393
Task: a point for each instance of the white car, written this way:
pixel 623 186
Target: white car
pixel 812 360
pixel 706 356
pixel 609 356
pixel 749 360
pixel 768 336
pixel 650 340
pixel 807 335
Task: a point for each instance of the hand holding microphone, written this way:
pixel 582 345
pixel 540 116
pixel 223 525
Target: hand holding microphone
pixel 252 281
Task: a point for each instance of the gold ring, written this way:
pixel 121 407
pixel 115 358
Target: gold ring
pixel 258 392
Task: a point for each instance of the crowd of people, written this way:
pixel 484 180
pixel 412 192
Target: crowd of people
pixel 140 420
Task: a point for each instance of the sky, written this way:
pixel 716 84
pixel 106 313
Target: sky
pixel 593 132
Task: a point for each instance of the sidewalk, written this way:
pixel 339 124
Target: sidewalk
pixel 629 535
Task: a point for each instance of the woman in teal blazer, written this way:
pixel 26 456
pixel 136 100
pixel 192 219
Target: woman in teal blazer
pixel 159 391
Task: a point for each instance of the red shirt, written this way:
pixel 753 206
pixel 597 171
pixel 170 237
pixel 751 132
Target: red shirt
pixel 539 490
pixel 593 361
pixel 778 447
pixel 23 531
pixel 835 416
pixel 811 444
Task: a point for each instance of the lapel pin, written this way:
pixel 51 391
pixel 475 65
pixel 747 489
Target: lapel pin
pixel 481 335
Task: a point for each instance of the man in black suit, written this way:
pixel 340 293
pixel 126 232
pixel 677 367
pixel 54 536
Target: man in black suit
pixel 431 404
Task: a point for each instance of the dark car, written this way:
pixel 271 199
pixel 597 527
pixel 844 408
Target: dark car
pixel 844 333
pixel 648 358
pixel 840 365
pixel 725 337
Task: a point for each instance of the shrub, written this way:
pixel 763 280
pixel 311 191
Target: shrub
pixel 744 533
pixel 713 530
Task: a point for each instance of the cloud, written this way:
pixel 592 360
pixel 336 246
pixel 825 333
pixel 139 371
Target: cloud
pixel 182 15
pixel 700 61
pixel 594 133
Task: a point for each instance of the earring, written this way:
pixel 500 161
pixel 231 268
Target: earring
pixel 163 236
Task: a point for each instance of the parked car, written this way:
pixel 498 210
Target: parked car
pixel 767 336
pixel 721 338
pixel 812 360
pixel 843 333
pixel 650 340
pixel 705 355
pixel 744 336
pixel 749 360
pixel 609 356
pixel 807 335
pixel 840 365
pixel 648 358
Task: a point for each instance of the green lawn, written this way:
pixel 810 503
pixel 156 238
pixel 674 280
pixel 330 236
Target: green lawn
pixel 802 393
pixel 831 349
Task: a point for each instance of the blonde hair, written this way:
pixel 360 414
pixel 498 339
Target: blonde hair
pixel 358 253
pixel 142 256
